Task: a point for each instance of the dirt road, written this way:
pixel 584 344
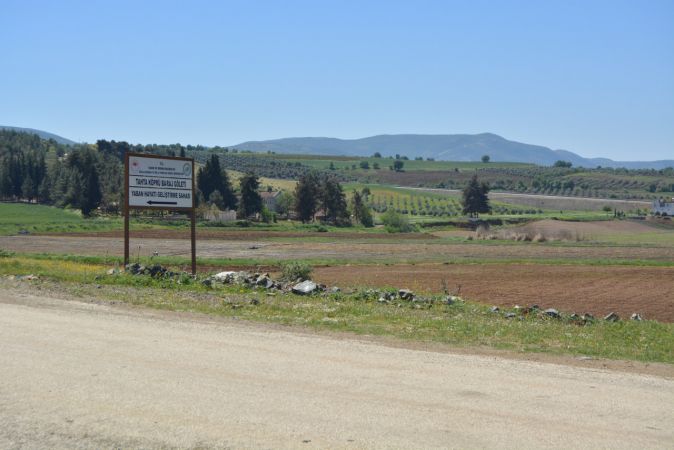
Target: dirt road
pixel 81 375
pixel 337 249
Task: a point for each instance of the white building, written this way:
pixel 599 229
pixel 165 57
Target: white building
pixel 663 207
pixel 270 199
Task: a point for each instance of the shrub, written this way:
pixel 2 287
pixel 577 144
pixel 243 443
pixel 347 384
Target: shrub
pixel 396 223
pixel 293 270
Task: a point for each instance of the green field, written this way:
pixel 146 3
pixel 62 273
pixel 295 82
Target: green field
pixel 347 163
pixel 15 217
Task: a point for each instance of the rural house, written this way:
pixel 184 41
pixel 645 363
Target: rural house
pixel 663 207
pixel 269 200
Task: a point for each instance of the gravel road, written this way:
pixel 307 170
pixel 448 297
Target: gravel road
pixel 83 375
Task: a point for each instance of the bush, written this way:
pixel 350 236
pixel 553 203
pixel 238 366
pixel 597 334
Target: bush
pixel 396 223
pixel 6 253
pixel 293 270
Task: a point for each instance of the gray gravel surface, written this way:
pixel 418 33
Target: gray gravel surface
pixel 82 375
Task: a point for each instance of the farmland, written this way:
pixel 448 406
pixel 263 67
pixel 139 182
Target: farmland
pixel 565 251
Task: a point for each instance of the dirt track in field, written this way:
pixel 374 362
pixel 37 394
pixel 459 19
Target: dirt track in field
pixel 339 249
pixel 594 289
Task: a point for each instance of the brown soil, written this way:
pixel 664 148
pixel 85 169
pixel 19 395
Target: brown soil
pixel 588 229
pixel 238 235
pixel 339 249
pixel 594 289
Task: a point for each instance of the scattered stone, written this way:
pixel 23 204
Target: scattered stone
pixel 612 317
pixel 509 315
pixel 406 294
pixel 254 301
pixel 636 317
pixel 224 277
pixel 207 282
pixel 24 232
pixel 305 288
pixel 264 281
pixel 98 286
pixel 494 309
pixel 383 300
pixel 30 277
pixel 552 312
pixel 534 306
pixel 335 290
pixel 587 317
pixel 450 300
pixel 113 271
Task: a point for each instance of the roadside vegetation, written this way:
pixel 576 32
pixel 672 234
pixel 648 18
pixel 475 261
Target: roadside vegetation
pixel 461 323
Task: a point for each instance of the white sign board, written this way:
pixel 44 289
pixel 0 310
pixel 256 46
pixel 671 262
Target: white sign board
pixel 160 183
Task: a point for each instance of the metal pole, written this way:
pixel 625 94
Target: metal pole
pixel 126 209
pixel 193 233
pixel 193 236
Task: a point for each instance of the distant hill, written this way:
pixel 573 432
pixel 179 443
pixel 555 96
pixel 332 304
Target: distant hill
pixel 448 147
pixel 42 134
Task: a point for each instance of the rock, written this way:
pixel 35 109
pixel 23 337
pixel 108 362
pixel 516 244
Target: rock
pixel 450 300
pixel 383 300
pixel 24 232
pixel 494 309
pixel 636 316
pixel 224 277
pixel 254 301
pixel 509 315
pixel 612 317
pixel 534 306
pixel 574 316
pixel 264 281
pixel 207 282
pixel 587 317
pixel 133 269
pixel 112 272
pixel 552 312
pixel 30 277
pixel 305 288
pixel 517 307
pixel 406 294
pixel 335 290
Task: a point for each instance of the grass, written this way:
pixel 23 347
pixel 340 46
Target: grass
pixel 460 324
pixel 17 217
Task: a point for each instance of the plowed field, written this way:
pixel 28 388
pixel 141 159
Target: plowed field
pixel 594 289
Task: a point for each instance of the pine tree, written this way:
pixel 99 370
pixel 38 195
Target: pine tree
pixel 333 201
pixel 251 201
pixel 211 177
pixel 475 200
pixel 361 212
pixel 306 196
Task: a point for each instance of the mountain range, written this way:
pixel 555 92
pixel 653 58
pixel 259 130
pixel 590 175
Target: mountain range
pixel 42 134
pixel 449 147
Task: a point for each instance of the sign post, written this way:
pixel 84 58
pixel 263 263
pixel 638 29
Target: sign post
pixel 159 182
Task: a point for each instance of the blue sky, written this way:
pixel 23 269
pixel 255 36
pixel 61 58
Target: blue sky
pixel 593 77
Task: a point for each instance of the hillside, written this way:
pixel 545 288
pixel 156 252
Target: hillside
pixel 42 134
pixel 450 147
